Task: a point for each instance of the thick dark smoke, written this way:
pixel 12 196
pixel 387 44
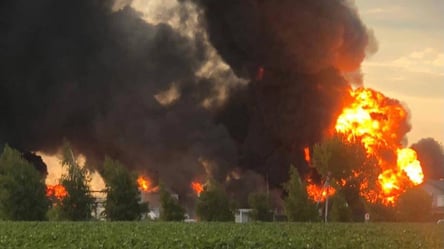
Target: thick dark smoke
pixel 298 36
pixel 431 155
pixel 297 53
pixel 113 84
pixel 78 70
pixel 37 162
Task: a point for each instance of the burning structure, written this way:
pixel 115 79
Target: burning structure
pixel 206 89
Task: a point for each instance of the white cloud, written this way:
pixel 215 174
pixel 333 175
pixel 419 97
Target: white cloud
pixel 380 11
pixel 428 60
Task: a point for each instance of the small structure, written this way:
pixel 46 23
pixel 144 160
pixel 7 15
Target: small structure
pixel 242 215
pixel 435 188
pixel 153 214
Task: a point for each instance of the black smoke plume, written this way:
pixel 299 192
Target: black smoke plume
pixel 112 83
pixel 298 55
pixel 431 155
pixel 37 162
pixel 81 71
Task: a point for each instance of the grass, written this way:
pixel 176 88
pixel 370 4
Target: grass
pixel 219 235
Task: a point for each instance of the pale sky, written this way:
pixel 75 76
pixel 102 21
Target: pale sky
pixel 409 65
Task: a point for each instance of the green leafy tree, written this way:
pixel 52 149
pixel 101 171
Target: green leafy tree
pixel 213 204
pixel 22 190
pixel 79 203
pixel 351 171
pixel 123 201
pixel 298 207
pixel 340 211
pixel 55 212
pixel 346 160
pixel 414 205
pixel 170 210
pixel 260 203
pixel 380 212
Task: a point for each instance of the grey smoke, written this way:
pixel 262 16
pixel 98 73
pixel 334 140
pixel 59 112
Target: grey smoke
pixel 431 155
pixel 92 71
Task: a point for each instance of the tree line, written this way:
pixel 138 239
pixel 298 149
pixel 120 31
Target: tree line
pixel 23 192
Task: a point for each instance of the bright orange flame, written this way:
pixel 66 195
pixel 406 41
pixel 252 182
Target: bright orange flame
pixel 58 191
pixel 197 187
pixel 145 185
pixel 380 124
pixel 319 193
pixel 408 163
pixel 307 155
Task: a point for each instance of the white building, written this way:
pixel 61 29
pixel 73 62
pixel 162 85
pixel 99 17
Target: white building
pixel 435 188
pixel 242 215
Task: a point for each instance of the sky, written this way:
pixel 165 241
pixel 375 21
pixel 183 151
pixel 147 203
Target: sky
pixel 409 64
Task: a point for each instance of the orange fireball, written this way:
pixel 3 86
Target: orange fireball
pixel 381 123
pixel 57 191
pixel 145 185
pixel 318 193
pixel 197 187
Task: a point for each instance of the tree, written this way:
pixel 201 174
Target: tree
pixel 123 201
pixel 346 160
pixel 260 203
pixel 414 205
pixel 213 204
pixel 351 170
pixel 340 211
pixel 22 190
pixel 298 207
pixel 381 212
pixel 170 210
pixel 79 203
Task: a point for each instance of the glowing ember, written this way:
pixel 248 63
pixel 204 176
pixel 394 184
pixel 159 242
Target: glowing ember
pixel 197 187
pixel 145 185
pixel 260 73
pixel 58 191
pixel 319 193
pixel 380 124
pixel 307 155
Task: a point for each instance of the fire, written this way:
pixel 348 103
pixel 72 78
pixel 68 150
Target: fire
pixel 314 191
pixel 319 193
pixel 197 187
pixel 58 191
pixel 379 123
pixel 307 155
pixel 408 163
pixel 145 185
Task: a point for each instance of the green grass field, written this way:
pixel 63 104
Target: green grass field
pixel 219 235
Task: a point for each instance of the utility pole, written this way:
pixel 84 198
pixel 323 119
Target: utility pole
pixel 326 187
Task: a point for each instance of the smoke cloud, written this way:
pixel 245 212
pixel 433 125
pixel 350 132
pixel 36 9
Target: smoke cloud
pixel 97 73
pixel 431 155
pixel 85 72
pixel 299 56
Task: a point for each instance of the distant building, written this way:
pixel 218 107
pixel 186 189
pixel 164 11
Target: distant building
pixel 98 212
pixel 153 214
pixel 153 199
pixel 242 215
pixel 435 188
